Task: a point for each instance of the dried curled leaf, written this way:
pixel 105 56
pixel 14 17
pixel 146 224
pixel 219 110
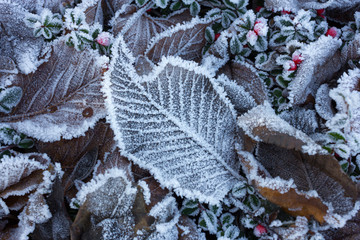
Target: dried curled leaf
pixel 24 180
pixel 171 122
pixel 318 67
pixel 302 183
pixel 184 40
pixel 62 98
pixel 138 28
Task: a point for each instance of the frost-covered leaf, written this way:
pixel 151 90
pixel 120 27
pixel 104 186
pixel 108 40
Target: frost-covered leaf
pixel 139 28
pixel 246 76
pixel 62 98
pixel 184 40
pixel 105 201
pixel 188 230
pixel 239 97
pixel 323 102
pixel 302 184
pixel 302 119
pixel 93 11
pixel 262 124
pixel 350 231
pixel 344 13
pixel 295 231
pixel 24 180
pixel 296 5
pixel 322 59
pixel 58 226
pixel 171 121
pixel 292 171
pixel 210 220
pixel 9 98
pixel 350 50
pixel 17 39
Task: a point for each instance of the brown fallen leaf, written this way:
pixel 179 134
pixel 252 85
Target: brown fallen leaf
pixel 246 76
pixel 305 184
pixel 63 92
pixel 25 178
pixel 185 40
pixel 138 29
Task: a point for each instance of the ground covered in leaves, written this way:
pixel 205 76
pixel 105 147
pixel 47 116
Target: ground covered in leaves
pixel 179 119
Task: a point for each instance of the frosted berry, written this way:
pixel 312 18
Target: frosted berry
pixel 251 37
pixel 104 39
pixel 217 35
pixel 293 66
pixel 297 58
pixel 320 12
pixel 259 230
pixel 332 32
pixel 260 27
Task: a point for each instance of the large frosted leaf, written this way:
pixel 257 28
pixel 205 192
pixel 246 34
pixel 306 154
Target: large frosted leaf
pixel 321 60
pixel 62 98
pixel 184 40
pixel 93 11
pixel 176 122
pixel 138 28
pixel 17 40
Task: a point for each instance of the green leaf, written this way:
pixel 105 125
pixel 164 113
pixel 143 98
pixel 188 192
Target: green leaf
pixel 235 45
pixel 227 219
pixel 47 33
pixel 140 3
pixel 225 20
pixel 190 211
pixel 194 8
pixel 176 6
pixel 209 34
pixel 9 98
pixel 239 190
pixel 26 143
pixel 286 23
pixel 211 221
pixel 337 136
pixel 232 232
pixel 37 32
pixel 217 210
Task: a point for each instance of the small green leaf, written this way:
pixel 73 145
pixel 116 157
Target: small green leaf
pixel 26 143
pixel 9 98
pixel 194 8
pixel 209 34
pixel 235 45
pixel 140 3
pixel 337 136
pixel 239 190
pixel 176 6
pixel 47 33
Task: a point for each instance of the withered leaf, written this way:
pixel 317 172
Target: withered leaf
pixel 246 76
pixel 184 40
pixel 350 50
pixel 24 180
pixel 138 29
pixel 306 184
pixel 63 94
pixel 70 152
pixel 93 11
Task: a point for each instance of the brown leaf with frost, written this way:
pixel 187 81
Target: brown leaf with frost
pixel 303 184
pixel 63 93
pixel 186 41
pixel 246 76
pixel 24 179
pixel 138 29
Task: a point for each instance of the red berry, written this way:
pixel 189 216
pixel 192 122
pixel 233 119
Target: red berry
pixel 258 8
pixel 149 10
pixel 297 59
pixel 283 12
pixel 331 32
pixel 259 230
pixel 217 35
pixel 293 66
pixel 320 11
